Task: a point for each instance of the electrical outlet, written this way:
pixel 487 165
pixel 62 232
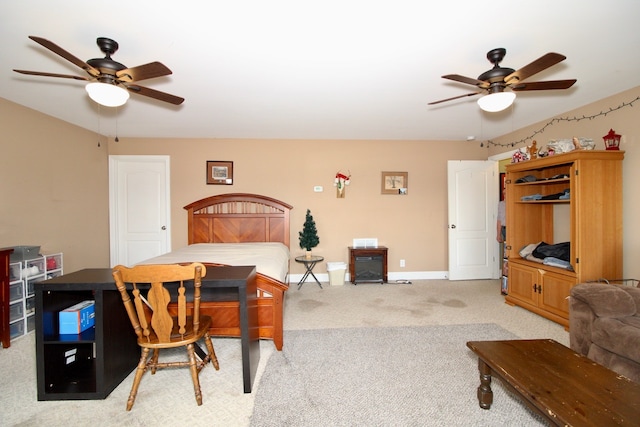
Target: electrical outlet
pixel 401 263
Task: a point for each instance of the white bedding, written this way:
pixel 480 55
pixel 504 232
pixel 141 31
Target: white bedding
pixel 270 259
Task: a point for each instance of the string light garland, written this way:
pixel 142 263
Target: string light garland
pixel 562 119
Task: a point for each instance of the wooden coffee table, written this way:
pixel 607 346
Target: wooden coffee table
pixel 561 385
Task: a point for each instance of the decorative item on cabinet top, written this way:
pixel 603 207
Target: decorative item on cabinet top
pixel 612 140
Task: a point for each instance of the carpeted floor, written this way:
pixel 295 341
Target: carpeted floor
pixel 425 303
pixel 391 376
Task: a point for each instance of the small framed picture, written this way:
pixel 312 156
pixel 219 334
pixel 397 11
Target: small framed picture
pixel 395 183
pixel 220 173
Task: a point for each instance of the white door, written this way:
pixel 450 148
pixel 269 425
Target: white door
pixel 473 206
pixel 139 207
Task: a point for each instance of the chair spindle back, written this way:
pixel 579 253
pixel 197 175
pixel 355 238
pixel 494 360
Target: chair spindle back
pixel 150 316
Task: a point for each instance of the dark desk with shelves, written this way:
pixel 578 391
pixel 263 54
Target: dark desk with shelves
pixel 92 364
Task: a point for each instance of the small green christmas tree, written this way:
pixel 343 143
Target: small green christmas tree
pixel 309 235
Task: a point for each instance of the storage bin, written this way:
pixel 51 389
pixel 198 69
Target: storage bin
pixel 16 329
pixel 16 311
pixel 16 291
pixel 337 271
pixel 23 253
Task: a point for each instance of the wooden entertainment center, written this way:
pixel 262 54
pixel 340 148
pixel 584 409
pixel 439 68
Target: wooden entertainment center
pixel 590 218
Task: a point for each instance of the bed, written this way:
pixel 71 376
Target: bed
pixel 228 222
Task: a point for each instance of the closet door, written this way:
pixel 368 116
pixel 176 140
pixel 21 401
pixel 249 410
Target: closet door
pixel 473 206
pixel 139 206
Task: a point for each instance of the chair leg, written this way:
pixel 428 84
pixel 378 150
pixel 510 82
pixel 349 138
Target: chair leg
pixel 142 367
pixel 212 352
pixel 193 367
pixel 154 361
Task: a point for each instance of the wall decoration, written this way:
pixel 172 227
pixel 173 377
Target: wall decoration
pixel 395 183
pixel 220 173
pixel 564 119
pixel 340 182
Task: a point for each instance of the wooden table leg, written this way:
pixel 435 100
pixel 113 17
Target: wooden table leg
pixel 485 395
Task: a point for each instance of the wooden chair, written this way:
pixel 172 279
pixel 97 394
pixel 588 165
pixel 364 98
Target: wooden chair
pixel 156 327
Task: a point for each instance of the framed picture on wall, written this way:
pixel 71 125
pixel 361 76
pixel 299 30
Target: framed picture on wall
pixel 220 173
pixel 395 183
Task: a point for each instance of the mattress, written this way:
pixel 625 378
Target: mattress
pixel 271 259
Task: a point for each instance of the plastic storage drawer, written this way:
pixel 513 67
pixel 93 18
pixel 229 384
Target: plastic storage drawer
pixel 16 291
pixel 16 329
pixel 16 311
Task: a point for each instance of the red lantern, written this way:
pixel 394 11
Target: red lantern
pixel 611 140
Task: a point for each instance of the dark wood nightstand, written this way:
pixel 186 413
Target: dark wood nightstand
pixel 368 265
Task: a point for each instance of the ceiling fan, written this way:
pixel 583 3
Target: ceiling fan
pixel 494 81
pixel 109 81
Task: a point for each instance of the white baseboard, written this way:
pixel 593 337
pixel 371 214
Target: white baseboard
pixel 392 276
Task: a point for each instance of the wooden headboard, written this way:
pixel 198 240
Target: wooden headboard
pixel 238 218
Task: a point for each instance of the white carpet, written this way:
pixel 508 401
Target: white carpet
pixel 393 376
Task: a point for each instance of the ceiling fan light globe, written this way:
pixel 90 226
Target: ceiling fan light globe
pixel 107 94
pixel 495 102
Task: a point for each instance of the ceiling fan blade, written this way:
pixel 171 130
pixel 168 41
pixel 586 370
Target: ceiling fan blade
pixel 38 73
pixel 455 97
pixel 546 85
pixel 66 55
pixel 467 80
pixel 536 66
pixel 156 94
pixel 143 72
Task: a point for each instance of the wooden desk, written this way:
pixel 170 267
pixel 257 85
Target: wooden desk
pixel 90 365
pixel 565 388
pixel 5 332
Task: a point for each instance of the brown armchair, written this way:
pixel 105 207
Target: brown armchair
pixel 604 325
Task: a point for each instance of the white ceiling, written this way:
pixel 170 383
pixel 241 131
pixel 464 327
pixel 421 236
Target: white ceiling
pixel 318 69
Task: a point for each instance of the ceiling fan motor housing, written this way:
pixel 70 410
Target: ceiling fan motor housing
pixel 497 73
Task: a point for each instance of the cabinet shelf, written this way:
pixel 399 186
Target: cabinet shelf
pixel 544 182
pixel 86 336
pixel 69 370
pixel 542 202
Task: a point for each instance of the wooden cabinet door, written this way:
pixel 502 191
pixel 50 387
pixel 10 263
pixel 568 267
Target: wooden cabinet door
pixel 521 283
pixel 555 292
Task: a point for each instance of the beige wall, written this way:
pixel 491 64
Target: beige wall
pixel 54 178
pixel 54 187
pixel 414 227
